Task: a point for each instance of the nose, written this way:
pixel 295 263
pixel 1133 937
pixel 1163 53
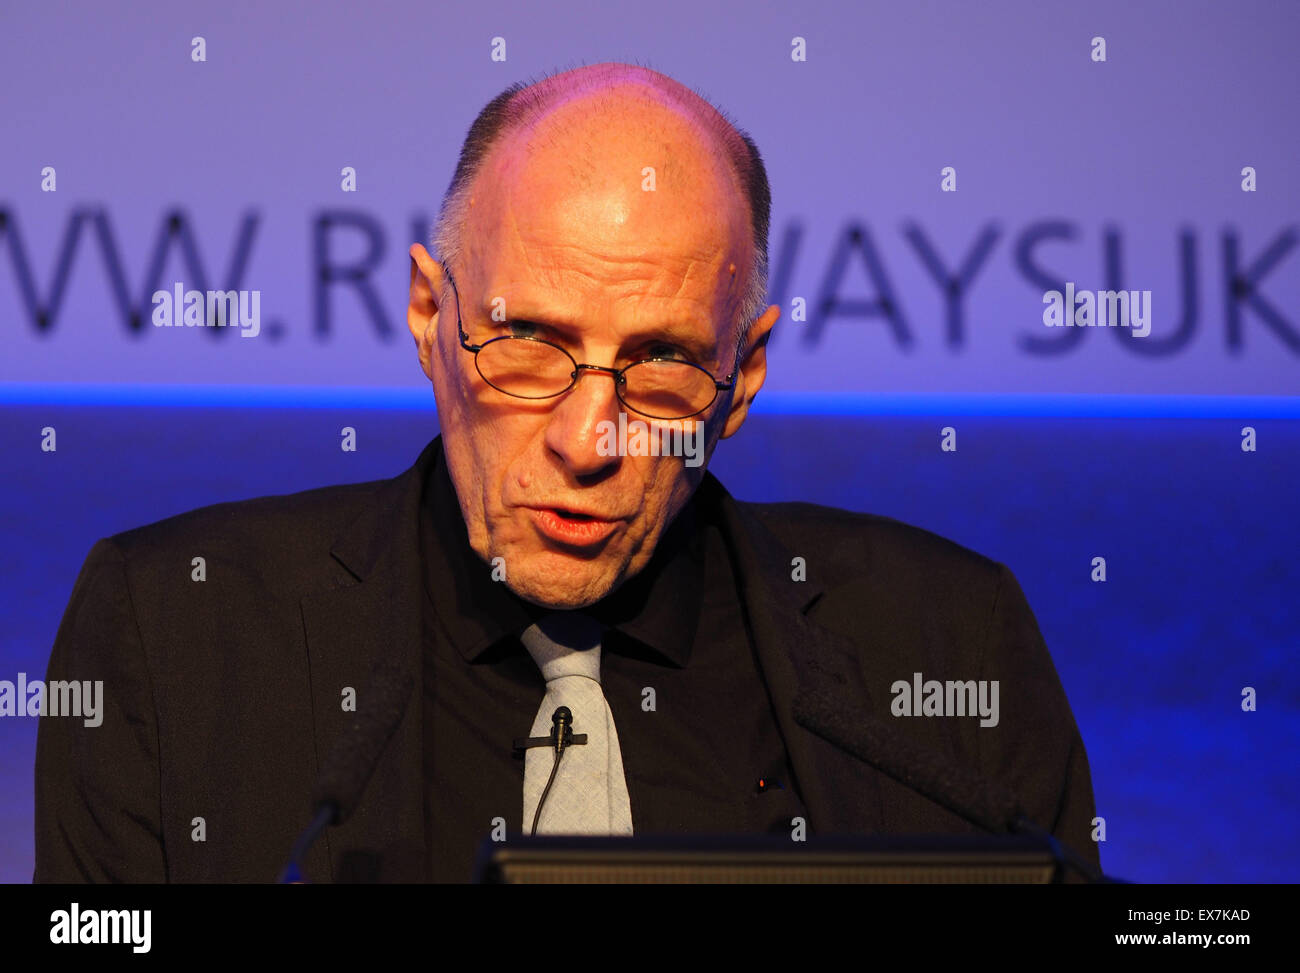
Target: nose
pixel 577 429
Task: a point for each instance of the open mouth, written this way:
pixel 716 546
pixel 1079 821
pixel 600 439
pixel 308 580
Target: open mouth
pixel 571 528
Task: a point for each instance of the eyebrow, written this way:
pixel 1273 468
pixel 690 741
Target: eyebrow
pixel 677 333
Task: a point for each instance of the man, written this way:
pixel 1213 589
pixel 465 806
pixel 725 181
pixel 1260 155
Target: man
pixel 602 261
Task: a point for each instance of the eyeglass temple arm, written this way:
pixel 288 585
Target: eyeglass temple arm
pixel 460 324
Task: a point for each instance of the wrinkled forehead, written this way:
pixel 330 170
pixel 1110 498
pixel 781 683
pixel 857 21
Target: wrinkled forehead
pixel 622 181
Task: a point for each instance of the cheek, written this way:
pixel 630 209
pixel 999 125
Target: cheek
pixel 448 385
pixel 505 457
pixel 485 436
pixel 666 490
pixel 475 445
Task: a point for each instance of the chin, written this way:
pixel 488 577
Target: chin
pixel 562 582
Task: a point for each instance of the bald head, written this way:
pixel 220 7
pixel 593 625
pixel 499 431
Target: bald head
pixel 600 127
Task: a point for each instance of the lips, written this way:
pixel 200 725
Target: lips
pixel 572 527
pixel 575 514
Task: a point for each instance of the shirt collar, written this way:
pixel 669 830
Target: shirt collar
pixel 659 608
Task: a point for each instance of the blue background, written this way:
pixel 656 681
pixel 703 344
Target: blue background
pixel 1200 541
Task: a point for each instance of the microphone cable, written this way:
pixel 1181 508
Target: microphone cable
pixel 560 739
pixel 555 766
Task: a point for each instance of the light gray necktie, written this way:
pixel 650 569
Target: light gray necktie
pixel 589 793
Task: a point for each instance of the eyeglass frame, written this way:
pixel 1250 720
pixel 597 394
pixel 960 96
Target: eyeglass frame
pixel 616 373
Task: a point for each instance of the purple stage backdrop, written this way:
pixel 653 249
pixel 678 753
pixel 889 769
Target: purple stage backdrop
pixel 937 168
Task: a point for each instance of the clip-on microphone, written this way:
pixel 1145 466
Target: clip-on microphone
pixel 561 737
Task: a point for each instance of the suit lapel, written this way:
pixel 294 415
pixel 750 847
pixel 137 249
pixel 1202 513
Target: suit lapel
pixel 373 615
pixel 842 793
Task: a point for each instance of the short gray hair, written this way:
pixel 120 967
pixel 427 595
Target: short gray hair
pixel 523 103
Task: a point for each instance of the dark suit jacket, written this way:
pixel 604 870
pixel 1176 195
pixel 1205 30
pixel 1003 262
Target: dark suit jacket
pixel 223 695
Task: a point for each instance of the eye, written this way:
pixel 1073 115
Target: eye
pixel 522 329
pixel 663 350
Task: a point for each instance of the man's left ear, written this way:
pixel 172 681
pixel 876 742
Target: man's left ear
pixel 752 372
